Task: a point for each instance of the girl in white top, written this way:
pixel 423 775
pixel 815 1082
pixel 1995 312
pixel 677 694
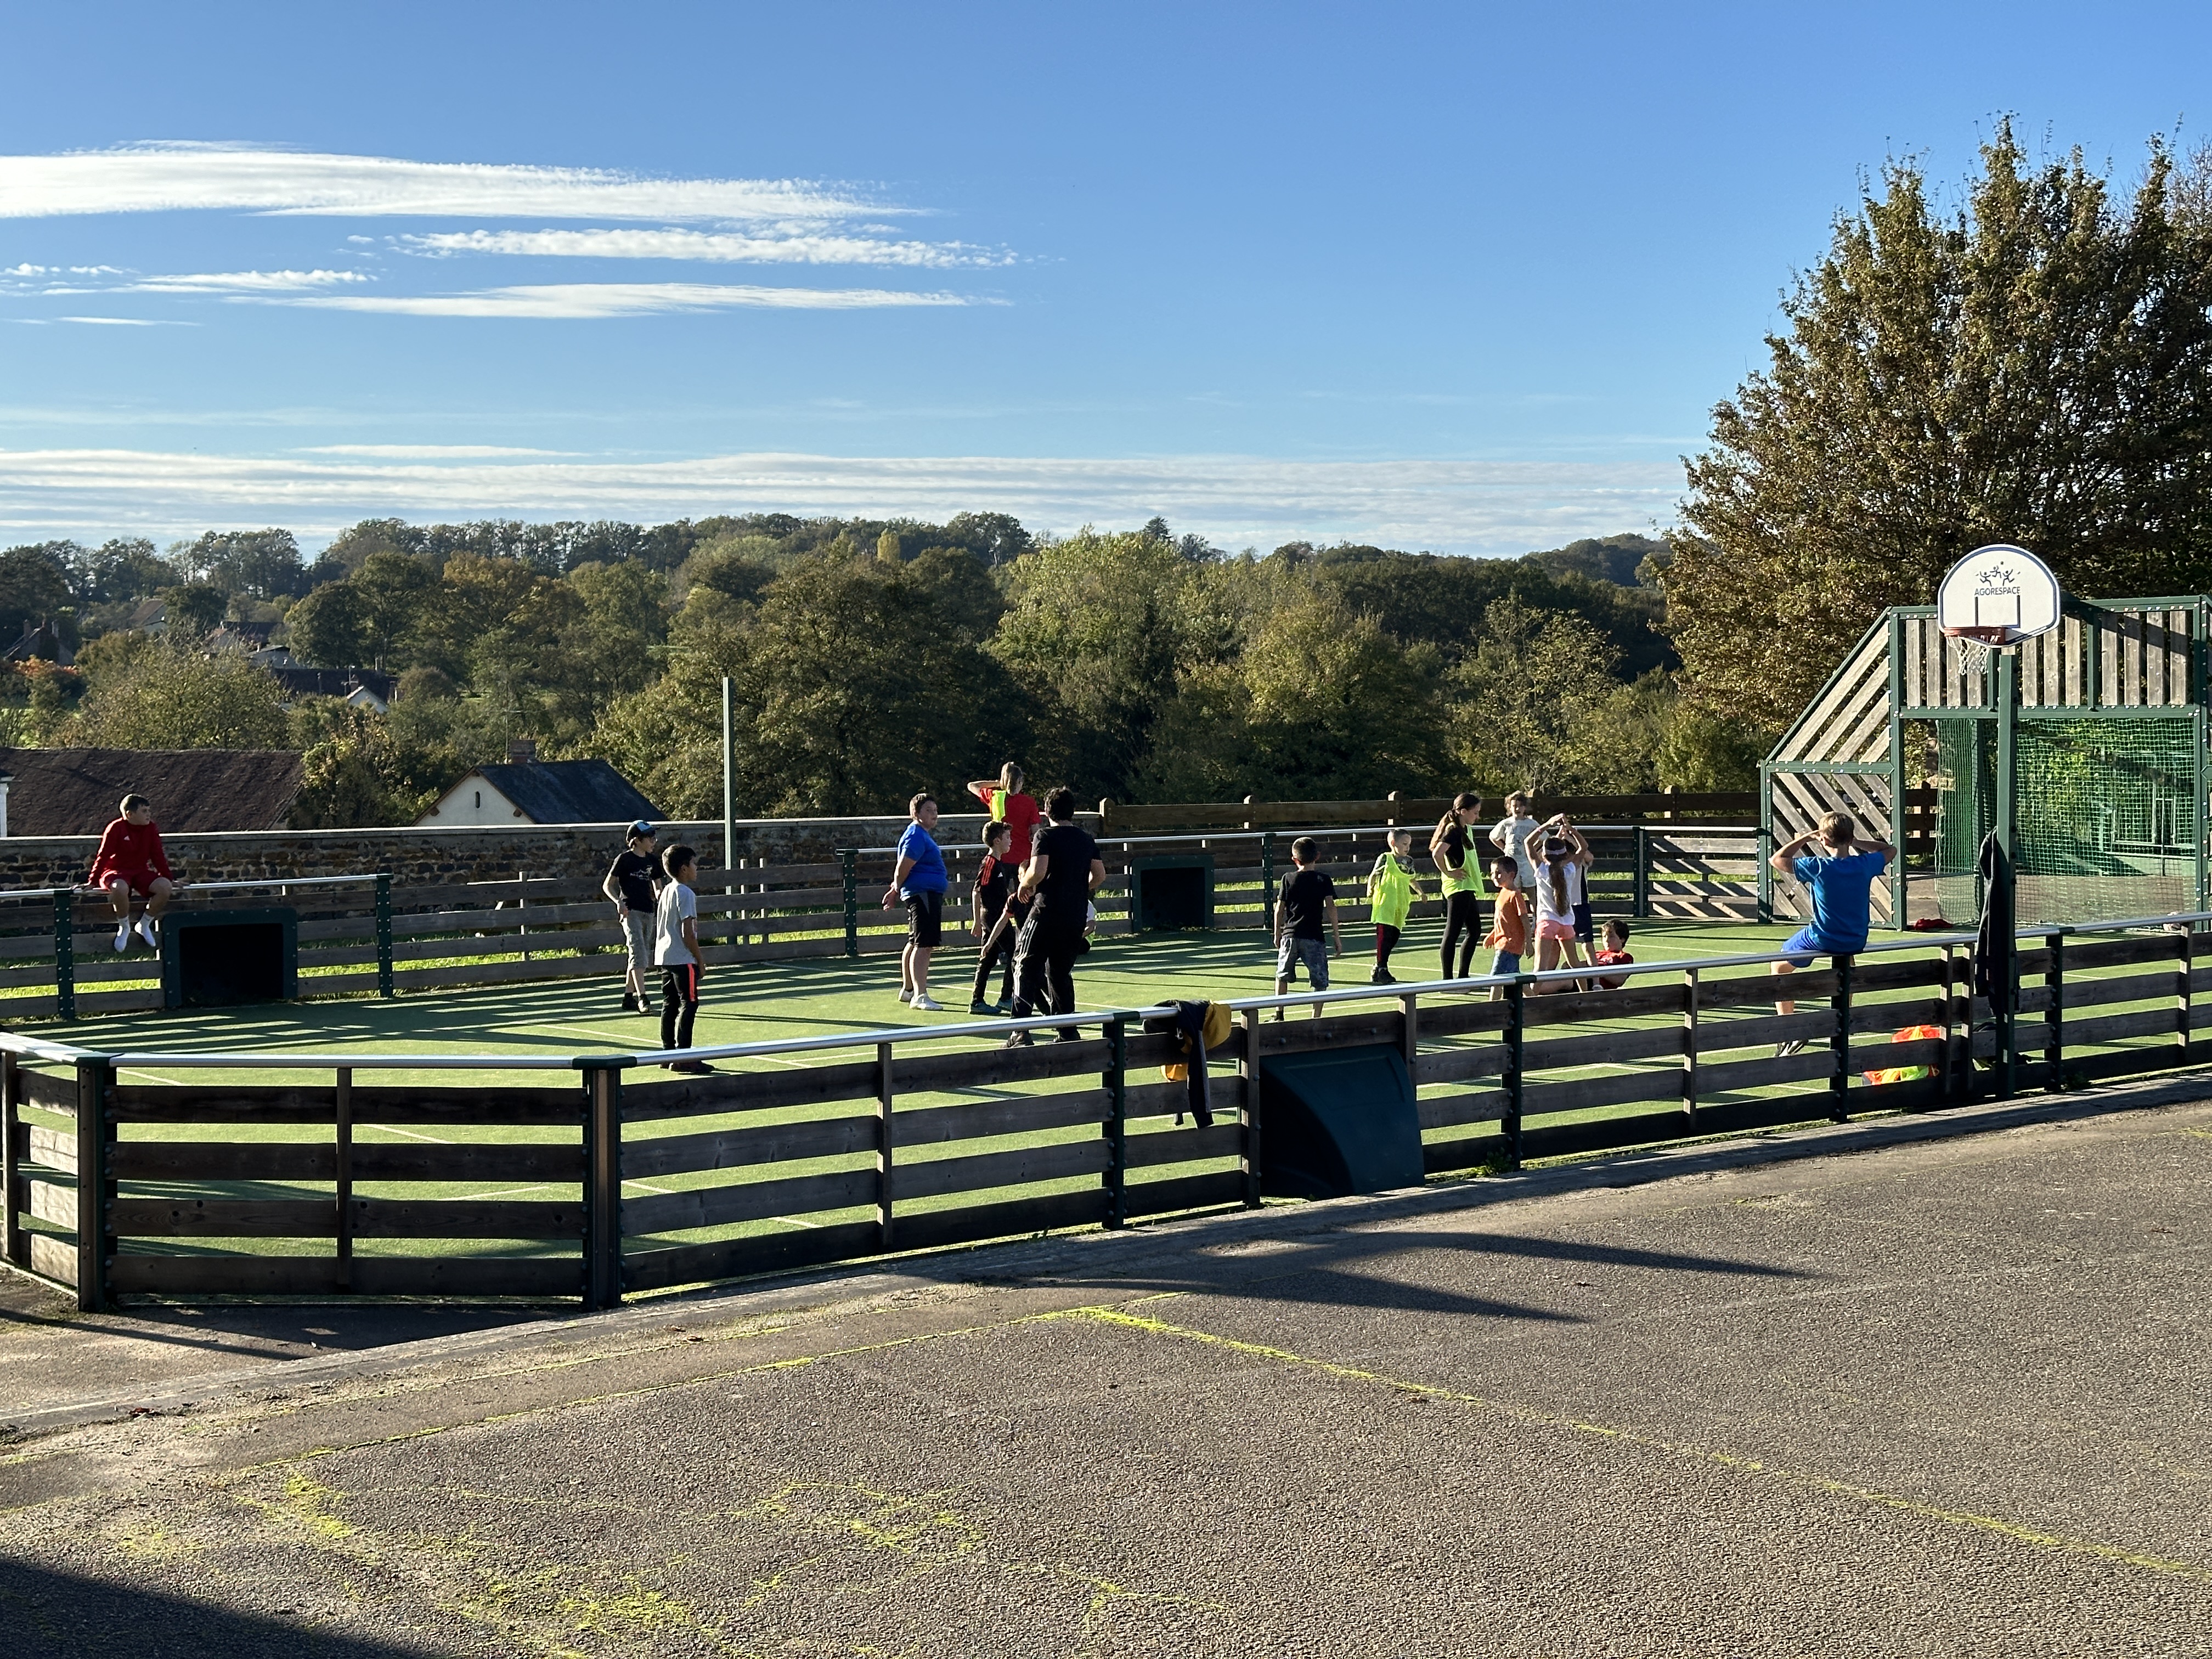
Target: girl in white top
pixel 1558 850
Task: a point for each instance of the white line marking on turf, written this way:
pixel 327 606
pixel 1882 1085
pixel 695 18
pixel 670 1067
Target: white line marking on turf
pixel 503 1192
pixel 411 1135
pixel 648 1187
pixel 794 1221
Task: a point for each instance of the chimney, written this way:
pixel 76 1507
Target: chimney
pixel 520 752
pixel 6 778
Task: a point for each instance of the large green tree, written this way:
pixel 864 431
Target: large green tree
pixel 2035 367
pixel 160 695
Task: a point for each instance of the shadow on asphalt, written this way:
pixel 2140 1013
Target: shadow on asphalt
pixel 52 1615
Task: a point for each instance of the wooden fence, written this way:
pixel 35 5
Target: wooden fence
pixel 1419 812
pixel 601 1175
pixel 368 933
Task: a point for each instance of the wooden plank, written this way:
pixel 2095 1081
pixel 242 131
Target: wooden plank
pixel 1358 1029
pixel 1187 1145
pixel 747 1148
pixel 502 1104
pixel 1022 1166
pixel 2103 993
pixel 1470 1106
pixel 934 1126
pixel 1654 1084
pixel 1462 1152
pixel 934 1230
pixel 1457 1014
pixel 1748 990
pixel 480 1160
pixel 753 1200
pixel 1191 1192
pixel 992 1067
pixel 224 1217
pixel 551 1276
pixel 1458 1064
pixel 738 1258
pixel 1225 1093
pixel 403 1218
pixel 37 1088
pixel 1727 1077
pixel 1603 1134
pixel 204 1160
pixel 220 1275
pixel 54 1258
pixel 1569 1005
pixel 1600 1048
pixel 2113 1028
pixel 750 1091
pixel 2085 954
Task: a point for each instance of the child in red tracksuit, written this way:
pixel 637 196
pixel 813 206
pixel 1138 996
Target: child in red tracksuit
pixel 130 865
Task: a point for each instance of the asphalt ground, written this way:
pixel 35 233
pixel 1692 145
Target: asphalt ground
pixel 1945 1397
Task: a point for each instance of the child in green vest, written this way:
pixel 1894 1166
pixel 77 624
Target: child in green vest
pixel 1391 890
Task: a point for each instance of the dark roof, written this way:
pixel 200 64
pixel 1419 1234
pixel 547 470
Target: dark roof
pixel 334 681
pixel 74 791
pixel 570 792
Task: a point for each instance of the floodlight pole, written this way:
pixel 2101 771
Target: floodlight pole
pixel 729 788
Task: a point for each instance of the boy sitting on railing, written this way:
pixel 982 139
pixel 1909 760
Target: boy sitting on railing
pixel 131 864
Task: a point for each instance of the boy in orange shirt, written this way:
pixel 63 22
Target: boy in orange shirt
pixel 1508 932
pixel 131 863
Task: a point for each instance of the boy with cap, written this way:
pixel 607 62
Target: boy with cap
pixel 634 883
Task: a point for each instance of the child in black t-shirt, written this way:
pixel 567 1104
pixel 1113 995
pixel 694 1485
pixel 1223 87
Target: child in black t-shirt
pixel 1307 901
pixel 995 880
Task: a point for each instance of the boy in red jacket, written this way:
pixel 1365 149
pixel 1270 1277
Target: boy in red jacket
pixel 130 863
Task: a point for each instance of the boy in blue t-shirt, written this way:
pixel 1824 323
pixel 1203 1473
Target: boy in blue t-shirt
pixel 919 880
pixel 1837 874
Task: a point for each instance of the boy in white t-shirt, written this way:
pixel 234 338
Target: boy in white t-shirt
pixel 1512 836
pixel 675 952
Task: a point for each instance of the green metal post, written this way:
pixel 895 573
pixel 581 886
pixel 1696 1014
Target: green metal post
pixel 2007 677
pixel 1116 1178
pixel 1267 877
pixel 2054 1012
pixel 603 1265
pixel 1765 843
pixel 1640 903
pixel 849 857
pixel 1900 884
pixel 2196 807
pixel 1516 1005
pixel 96 1141
pixel 64 955
pixel 1840 1044
pixel 383 934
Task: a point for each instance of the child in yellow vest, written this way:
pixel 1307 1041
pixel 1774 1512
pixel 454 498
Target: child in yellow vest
pixel 1391 890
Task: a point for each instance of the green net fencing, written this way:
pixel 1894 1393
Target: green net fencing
pixel 2108 821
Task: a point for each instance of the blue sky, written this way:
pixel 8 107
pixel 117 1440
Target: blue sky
pixel 1463 277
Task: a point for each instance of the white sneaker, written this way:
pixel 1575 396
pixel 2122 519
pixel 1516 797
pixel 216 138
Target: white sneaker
pixel 146 933
pixel 905 995
pixel 928 1004
pixel 123 936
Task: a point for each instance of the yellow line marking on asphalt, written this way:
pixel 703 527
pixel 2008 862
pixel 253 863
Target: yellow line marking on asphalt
pixel 1997 1524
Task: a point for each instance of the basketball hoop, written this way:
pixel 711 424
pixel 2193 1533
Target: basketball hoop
pixel 1976 641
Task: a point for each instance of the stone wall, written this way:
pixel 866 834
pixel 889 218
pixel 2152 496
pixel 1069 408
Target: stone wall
pixel 436 857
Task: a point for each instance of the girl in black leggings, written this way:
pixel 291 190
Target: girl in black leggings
pixel 1451 849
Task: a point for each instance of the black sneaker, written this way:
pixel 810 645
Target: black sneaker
pixel 980 1007
pixel 1382 976
pixel 1006 1008
pixel 629 1004
pixel 1019 1040
pixel 1067 1036
pixel 1795 1046
pixel 691 1066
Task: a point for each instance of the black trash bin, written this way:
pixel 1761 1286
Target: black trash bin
pixel 224 958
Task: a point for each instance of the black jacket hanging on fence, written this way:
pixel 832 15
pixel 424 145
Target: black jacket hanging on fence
pixel 1188 1021
pixel 1993 941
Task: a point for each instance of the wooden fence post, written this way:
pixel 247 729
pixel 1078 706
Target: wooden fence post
pixel 95 1137
pixel 2054 1012
pixel 1248 1154
pixel 1640 900
pixel 384 933
pixel 64 955
pixel 1839 1042
pixel 341 1189
pixel 1516 1005
pixel 602 1233
pixel 1690 1049
pixel 1410 1032
pixel 1116 1178
pixel 14 1242
pixel 886 1147
pixel 849 857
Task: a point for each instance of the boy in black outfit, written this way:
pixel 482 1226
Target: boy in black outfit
pixel 994 891
pixel 1307 901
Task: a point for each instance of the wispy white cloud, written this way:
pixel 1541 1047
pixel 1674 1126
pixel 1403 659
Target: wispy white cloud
pixel 426 452
pixel 165 177
pixel 778 245
pixel 129 322
pixel 573 300
pixel 1453 506
pixel 242 281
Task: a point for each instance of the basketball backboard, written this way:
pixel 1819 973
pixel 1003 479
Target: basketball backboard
pixel 1998 594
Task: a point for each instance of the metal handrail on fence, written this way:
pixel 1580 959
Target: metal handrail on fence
pixel 100 1102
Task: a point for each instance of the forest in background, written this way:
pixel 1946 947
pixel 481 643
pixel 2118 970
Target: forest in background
pixel 871 658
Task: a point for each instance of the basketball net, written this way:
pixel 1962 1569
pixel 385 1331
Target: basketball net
pixel 1975 644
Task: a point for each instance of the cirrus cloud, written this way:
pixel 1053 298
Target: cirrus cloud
pixel 783 245
pixel 591 301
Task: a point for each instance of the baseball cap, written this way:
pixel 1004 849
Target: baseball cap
pixel 640 827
